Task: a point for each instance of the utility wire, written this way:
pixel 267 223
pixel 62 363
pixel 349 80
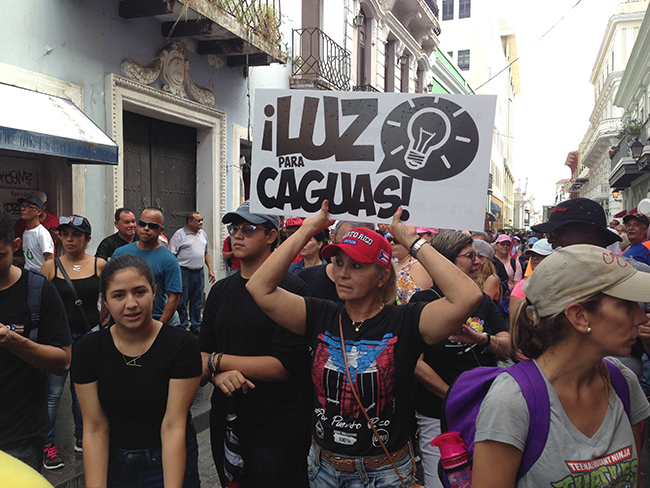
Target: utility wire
pixel 531 46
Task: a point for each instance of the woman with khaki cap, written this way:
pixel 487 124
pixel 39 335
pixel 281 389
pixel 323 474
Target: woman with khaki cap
pixel 583 304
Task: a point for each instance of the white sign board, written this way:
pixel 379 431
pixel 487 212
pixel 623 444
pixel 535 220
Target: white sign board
pixel 369 153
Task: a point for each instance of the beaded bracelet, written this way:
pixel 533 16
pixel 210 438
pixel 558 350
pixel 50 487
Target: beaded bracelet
pixel 415 247
pixel 218 365
pixel 211 363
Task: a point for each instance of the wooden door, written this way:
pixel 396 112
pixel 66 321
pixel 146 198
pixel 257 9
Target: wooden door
pixel 159 168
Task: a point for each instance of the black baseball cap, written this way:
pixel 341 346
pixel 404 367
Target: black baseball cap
pixel 579 211
pixel 640 217
pixel 76 221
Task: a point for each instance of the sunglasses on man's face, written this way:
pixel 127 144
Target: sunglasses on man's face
pixel 247 230
pixel 151 225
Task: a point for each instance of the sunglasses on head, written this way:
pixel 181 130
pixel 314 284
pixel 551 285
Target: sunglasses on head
pixel 72 220
pixel 246 229
pixel 151 225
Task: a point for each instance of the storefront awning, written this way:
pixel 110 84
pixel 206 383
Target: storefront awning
pixel 622 213
pixel 34 122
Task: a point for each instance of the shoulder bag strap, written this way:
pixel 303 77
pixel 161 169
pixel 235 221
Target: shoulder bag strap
pixel 75 295
pixel 362 408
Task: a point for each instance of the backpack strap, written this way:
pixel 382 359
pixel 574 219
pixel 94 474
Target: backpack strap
pixel 535 393
pixel 619 383
pixel 35 282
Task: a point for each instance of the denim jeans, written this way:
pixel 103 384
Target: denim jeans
pixel 143 468
pixel 30 453
pixel 54 395
pixel 193 284
pixel 281 466
pixel 323 475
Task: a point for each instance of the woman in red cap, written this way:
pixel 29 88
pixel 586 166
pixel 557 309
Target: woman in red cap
pixel 363 409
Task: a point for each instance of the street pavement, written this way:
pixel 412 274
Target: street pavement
pixel 71 476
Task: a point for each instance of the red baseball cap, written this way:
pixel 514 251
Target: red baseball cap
pixel 362 245
pixel 291 221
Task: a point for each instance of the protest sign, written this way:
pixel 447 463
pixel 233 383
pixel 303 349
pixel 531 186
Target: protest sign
pixel 368 153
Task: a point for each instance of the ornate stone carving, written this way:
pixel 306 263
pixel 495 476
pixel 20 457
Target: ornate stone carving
pixel 172 66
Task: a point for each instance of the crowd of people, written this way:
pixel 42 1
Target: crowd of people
pixel 330 354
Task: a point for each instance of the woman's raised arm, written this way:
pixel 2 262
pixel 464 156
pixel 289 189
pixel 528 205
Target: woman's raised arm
pixel 286 308
pixel 440 318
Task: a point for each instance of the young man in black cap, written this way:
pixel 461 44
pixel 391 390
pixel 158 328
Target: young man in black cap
pixel 255 365
pixel 577 221
pixel 636 228
pixel 583 221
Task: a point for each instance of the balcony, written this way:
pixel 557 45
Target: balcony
pixel 319 62
pixel 599 193
pixel 415 22
pixel 602 138
pixel 247 32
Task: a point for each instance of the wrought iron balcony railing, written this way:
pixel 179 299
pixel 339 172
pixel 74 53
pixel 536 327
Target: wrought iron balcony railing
pixel 316 55
pixel 433 6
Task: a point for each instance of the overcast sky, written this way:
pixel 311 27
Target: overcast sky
pixel 556 99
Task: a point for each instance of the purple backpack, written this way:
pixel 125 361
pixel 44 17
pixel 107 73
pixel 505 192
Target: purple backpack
pixel 465 395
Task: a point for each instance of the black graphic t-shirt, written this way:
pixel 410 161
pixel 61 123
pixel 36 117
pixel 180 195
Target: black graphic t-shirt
pixel 450 358
pixel 382 357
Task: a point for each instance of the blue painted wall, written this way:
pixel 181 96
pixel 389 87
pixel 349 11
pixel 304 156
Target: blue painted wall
pixel 82 40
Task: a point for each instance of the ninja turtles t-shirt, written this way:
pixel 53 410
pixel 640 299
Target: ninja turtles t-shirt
pixel 450 358
pixel 382 357
pixel 570 458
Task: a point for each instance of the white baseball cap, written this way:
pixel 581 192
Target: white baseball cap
pixel 575 273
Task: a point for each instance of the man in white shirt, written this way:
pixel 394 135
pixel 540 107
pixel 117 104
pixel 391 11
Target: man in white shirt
pixel 38 245
pixel 190 246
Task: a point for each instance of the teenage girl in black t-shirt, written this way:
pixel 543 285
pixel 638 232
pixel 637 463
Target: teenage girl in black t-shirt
pixel 136 383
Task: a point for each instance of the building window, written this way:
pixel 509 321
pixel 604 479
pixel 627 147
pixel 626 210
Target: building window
pixel 464 8
pixel 447 9
pixel 463 59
